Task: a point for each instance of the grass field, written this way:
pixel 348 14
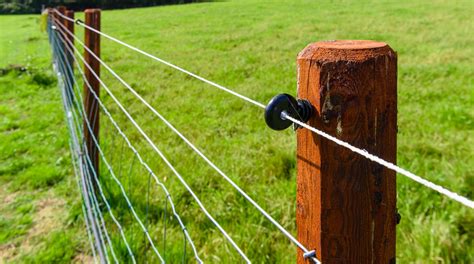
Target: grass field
pixel 250 46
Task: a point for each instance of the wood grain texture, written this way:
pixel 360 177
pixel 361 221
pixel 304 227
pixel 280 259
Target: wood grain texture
pixel 91 106
pixel 346 204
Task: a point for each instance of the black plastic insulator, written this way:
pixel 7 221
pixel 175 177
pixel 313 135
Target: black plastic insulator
pixel 298 109
pixel 398 218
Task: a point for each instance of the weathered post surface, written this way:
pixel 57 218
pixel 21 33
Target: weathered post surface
pixel 62 10
pixel 346 204
pixel 91 106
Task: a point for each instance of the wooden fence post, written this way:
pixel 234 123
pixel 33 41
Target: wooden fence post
pixel 63 55
pixel 66 47
pixel 62 10
pixel 91 106
pixel 58 19
pixel 70 26
pixel 346 204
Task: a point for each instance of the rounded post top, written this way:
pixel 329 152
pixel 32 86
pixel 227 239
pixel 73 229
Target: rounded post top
pixel 350 44
pixel 92 10
pixel 350 50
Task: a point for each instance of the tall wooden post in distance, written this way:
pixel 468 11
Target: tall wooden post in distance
pixel 60 20
pixel 91 106
pixel 70 26
pixel 62 10
pixel 67 47
pixel 346 204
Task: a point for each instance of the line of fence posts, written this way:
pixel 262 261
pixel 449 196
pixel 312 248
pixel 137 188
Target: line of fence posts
pixel 92 41
pixel 91 105
pixel 346 204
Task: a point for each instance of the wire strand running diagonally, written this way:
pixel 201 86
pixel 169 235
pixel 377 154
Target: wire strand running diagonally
pixel 102 195
pixel 62 86
pixel 123 192
pixel 389 165
pixel 164 62
pixel 99 217
pixel 146 166
pixel 158 151
pixel 122 189
pixel 74 159
pixel 66 68
pixel 452 195
pixel 285 232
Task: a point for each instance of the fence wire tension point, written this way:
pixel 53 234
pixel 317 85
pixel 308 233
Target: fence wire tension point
pixel 285 104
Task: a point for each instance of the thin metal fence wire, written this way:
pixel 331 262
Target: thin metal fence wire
pixel 91 196
pixel 74 159
pixel 89 190
pixel 120 186
pixel 62 86
pixel 70 116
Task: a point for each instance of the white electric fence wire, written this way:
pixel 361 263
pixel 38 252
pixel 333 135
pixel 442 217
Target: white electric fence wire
pixel 158 151
pixel 137 154
pixel 389 165
pixel 123 191
pixel 100 189
pixel 164 62
pixel 461 199
pixel 200 153
pixel 171 167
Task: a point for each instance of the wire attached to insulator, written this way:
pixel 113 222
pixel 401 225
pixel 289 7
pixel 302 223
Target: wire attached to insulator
pixel 285 103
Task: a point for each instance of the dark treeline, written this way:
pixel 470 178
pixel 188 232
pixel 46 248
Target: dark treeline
pixel 34 6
